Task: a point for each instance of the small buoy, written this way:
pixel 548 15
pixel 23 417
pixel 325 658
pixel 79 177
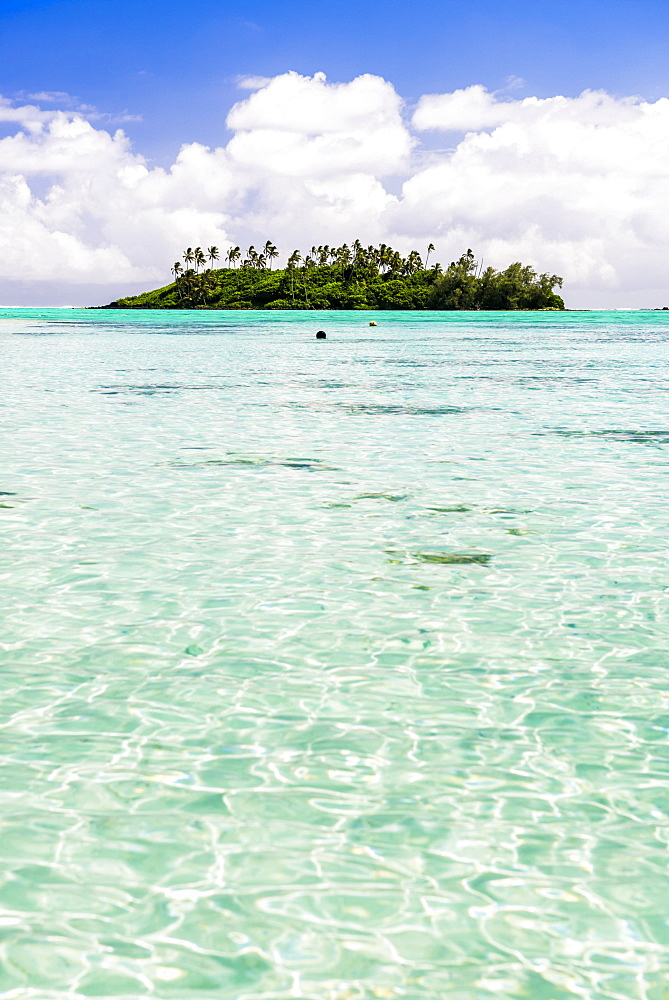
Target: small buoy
pixel 320 335
pixel 372 323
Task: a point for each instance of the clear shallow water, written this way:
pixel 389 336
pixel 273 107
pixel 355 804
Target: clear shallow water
pixel 334 670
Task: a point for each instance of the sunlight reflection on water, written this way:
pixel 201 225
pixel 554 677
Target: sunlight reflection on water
pixel 334 670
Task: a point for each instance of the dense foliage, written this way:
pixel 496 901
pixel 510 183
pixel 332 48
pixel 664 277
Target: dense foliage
pixel 354 277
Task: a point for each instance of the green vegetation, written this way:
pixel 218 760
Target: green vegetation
pixel 346 277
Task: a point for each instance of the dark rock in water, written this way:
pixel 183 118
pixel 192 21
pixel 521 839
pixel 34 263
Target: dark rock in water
pixel 442 558
pixel 631 435
pixel 460 508
pixel 381 409
pixel 453 558
pixel 321 335
pixel 308 464
pixel 393 497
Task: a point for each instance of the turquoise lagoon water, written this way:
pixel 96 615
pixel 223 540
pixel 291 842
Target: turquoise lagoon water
pixel 334 669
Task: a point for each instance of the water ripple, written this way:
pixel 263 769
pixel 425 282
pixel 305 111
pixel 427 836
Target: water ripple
pixel 399 729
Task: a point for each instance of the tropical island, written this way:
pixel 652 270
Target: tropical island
pixel 345 277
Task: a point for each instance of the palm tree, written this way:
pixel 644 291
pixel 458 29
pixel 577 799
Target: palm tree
pixel 395 261
pixel 188 283
pixel 343 259
pixel 353 264
pixel 207 285
pixel 293 261
pixel 307 266
pixel 414 262
pixel 270 252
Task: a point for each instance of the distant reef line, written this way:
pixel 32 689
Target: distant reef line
pixel 345 278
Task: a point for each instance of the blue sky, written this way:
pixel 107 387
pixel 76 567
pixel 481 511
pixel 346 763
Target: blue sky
pixel 434 122
pixel 175 64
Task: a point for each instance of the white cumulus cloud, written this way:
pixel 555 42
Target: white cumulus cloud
pixel 576 186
